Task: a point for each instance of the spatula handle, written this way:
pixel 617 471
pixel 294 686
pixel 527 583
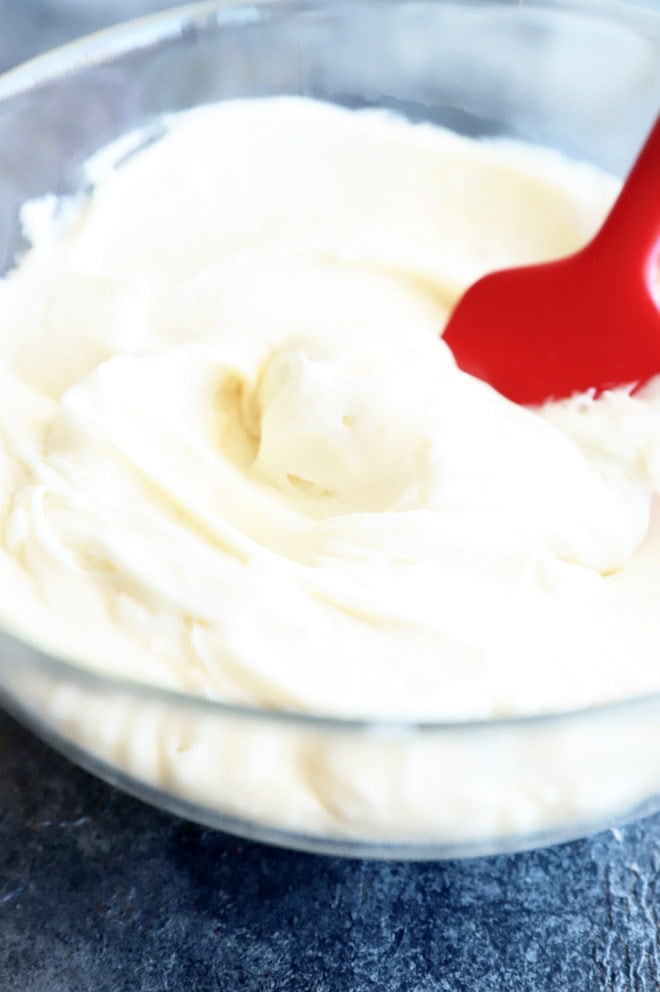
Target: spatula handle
pixel 632 230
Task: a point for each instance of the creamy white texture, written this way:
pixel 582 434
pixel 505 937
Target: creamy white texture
pixel 236 459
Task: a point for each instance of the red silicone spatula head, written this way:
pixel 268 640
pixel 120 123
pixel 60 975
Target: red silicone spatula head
pixel 590 321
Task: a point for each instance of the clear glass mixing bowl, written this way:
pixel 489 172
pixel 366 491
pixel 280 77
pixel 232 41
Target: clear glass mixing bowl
pixel 583 77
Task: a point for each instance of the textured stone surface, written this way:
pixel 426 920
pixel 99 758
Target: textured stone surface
pixel 99 892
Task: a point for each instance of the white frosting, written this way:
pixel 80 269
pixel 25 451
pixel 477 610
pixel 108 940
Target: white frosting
pixel 236 459
pixel 229 428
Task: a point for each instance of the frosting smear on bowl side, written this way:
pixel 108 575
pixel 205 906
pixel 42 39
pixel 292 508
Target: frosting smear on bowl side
pixel 236 459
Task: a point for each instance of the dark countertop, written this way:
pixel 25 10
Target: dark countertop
pixel 100 892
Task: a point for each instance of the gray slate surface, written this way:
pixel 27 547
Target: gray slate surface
pixel 99 892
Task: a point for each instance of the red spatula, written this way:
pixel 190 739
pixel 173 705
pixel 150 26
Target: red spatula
pixel 589 321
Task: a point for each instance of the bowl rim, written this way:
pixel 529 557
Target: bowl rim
pixel 18 653
pixel 118 39
pixel 146 31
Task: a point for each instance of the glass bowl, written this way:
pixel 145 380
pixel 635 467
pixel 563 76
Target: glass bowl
pixel 582 77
